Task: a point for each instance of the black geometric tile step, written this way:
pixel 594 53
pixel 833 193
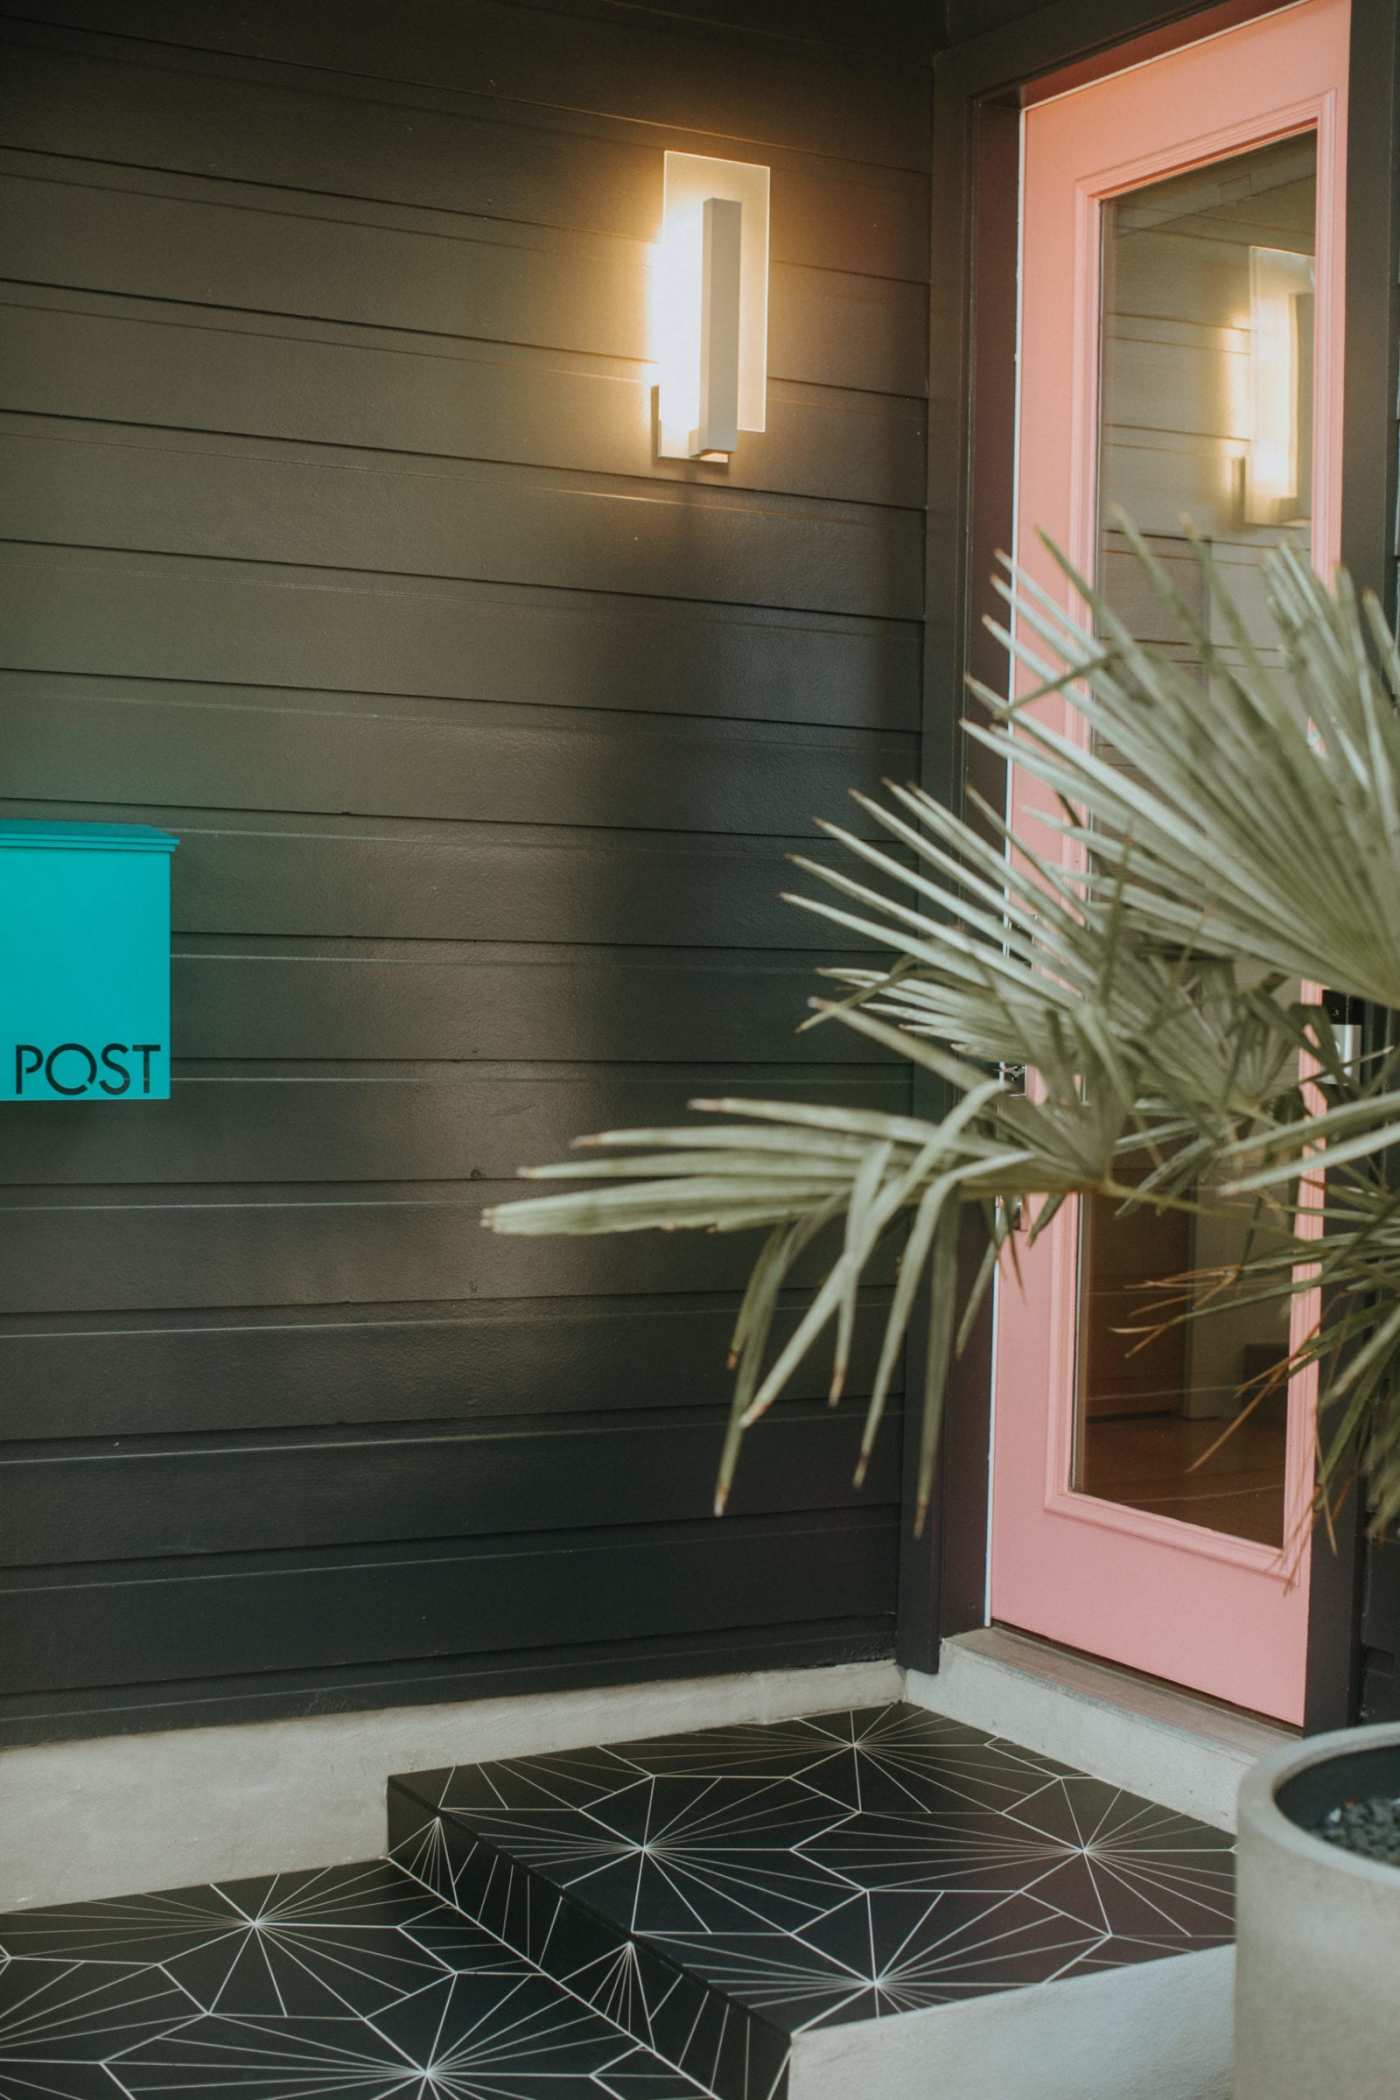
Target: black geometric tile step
pixel 354 1983
pixel 719 1894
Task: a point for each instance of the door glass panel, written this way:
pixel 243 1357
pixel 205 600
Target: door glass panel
pixel 1153 1399
pixel 1206 393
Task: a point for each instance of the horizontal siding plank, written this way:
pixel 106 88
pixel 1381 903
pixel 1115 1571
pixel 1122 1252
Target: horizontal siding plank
pixel 323 1365
pixel 898 31
pixel 277 1612
pixel 253 748
pixel 671 71
pixel 249 1128
pixel 318 628
pixel 481 882
pixel 470 1004
pixel 289 1245
pixel 143 1504
pixel 343 387
pixel 287 1695
pixel 245 499
pixel 836 328
pixel 445 152
pixel 86 228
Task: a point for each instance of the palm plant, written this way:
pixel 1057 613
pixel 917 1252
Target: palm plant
pixel 1228 834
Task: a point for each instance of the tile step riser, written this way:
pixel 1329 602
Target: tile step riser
pixel 729 2051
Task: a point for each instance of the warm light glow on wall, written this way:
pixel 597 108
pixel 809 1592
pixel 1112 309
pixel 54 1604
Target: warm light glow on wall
pixel 710 314
pixel 1278 470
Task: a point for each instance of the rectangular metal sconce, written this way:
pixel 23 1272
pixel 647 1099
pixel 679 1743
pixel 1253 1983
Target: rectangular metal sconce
pixel 84 962
pixel 712 306
pixel 1278 463
pixel 718 427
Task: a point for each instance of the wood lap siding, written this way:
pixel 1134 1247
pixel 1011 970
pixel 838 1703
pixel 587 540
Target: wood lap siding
pixel 330 539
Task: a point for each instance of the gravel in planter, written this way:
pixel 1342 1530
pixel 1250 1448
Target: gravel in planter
pixel 1370 1827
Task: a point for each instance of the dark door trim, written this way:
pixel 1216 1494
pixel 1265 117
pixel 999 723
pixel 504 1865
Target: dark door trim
pixel 1372 367
pixel 980 88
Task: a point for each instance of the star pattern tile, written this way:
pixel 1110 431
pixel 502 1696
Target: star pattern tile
pixel 722 2045
pixel 642 1921
pixel 843 1867
pixel 355 1982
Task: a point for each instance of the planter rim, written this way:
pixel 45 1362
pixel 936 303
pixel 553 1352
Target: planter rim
pixel 1262 1817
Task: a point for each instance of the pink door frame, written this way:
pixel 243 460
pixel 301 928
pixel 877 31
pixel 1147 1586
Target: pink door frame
pixel 1219 1614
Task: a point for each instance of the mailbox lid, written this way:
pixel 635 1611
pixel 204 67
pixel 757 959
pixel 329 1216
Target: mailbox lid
pixel 86 838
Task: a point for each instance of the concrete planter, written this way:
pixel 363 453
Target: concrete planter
pixel 1317 1990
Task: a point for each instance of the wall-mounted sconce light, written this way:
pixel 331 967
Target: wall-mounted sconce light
pixel 1278 464
pixel 712 306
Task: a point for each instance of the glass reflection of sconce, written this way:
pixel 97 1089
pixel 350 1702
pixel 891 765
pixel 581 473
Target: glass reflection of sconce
pixel 712 306
pixel 1278 464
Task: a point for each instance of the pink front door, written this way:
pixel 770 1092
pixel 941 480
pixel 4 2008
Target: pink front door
pixel 1181 337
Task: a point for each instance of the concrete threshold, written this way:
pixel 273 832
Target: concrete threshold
pixel 1185 1751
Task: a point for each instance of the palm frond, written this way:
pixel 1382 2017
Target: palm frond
pixel 1228 829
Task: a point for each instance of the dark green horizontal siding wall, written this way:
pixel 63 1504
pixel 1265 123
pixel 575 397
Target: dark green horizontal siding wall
pixel 330 538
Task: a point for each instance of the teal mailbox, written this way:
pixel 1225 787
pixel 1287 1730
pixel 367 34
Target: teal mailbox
pixel 84 962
